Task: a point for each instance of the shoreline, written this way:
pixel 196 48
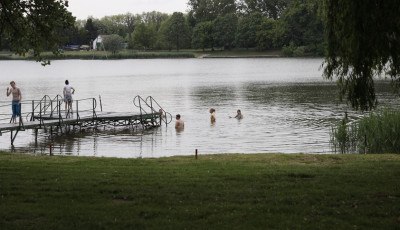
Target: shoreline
pixel 100 55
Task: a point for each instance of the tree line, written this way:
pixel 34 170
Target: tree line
pixel 294 25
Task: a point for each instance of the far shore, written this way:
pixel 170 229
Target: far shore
pixel 135 54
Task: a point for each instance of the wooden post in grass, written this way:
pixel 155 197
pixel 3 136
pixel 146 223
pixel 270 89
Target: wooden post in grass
pixel 51 150
pixel 195 154
pixel 365 143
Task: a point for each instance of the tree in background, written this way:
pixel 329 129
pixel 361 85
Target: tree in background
pixel 363 39
pixel 92 31
pixel 154 18
pixel 115 24
pixel 302 23
pixel 300 29
pixel 269 8
pixel 130 22
pixel 208 10
pixel 144 36
pixel 202 36
pixel 266 34
pixel 102 29
pixel 175 31
pixel 247 29
pixel 34 25
pixel 224 31
pixel 113 43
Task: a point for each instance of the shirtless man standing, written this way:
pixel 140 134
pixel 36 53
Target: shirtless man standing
pixel 16 101
pixel 179 124
pixel 212 117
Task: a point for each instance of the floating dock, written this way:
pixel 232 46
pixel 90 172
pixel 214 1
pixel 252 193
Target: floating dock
pixel 48 113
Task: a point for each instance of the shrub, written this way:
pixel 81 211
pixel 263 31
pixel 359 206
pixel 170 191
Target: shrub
pixel 378 132
pixel 289 50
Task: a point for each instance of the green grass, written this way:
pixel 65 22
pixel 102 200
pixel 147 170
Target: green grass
pixel 236 191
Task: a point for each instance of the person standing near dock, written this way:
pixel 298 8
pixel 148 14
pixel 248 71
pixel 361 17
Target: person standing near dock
pixel 67 92
pixel 179 124
pixel 16 101
pixel 213 118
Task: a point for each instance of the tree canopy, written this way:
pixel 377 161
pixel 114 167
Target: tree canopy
pixel 34 24
pixel 209 24
pixel 113 43
pixel 363 41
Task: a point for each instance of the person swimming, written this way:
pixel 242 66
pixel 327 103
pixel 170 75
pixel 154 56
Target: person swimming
pixel 238 116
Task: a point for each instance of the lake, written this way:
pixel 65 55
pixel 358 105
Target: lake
pixel 287 106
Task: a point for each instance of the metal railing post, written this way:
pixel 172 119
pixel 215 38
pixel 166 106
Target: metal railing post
pixel 33 111
pixel 77 110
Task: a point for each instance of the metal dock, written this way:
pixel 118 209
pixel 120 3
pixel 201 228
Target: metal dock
pixel 49 113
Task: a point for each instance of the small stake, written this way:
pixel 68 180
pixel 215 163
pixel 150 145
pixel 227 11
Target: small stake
pixel 196 154
pixel 51 152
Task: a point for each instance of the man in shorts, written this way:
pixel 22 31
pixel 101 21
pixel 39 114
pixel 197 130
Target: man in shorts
pixel 67 92
pixel 16 101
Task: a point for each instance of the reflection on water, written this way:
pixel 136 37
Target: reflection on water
pixel 286 104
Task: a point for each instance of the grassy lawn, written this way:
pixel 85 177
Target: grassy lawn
pixel 235 191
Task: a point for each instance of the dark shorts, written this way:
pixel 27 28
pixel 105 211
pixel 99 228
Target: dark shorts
pixel 68 98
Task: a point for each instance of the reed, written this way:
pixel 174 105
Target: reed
pixel 377 132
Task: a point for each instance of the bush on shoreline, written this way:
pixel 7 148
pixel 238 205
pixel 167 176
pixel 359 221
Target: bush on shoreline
pixel 379 132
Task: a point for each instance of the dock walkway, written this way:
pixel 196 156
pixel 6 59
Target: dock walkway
pixel 48 113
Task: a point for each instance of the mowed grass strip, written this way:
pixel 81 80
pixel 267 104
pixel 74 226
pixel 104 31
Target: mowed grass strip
pixel 227 191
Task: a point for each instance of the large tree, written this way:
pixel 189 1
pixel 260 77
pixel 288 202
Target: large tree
pixel 144 36
pixel 34 24
pixel 130 22
pixel 224 31
pixel 91 31
pixel 175 31
pixel 113 43
pixel 266 35
pixel 202 35
pixel 269 8
pixel 302 23
pixel 208 10
pixel 363 38
pixel 247 29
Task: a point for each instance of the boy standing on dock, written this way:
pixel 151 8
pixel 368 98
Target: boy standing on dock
pixel 67 92
pixel 16 101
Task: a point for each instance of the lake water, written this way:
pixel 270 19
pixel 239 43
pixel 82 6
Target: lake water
pixel 287 106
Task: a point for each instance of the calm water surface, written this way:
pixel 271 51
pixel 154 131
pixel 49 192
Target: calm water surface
pixel 287 106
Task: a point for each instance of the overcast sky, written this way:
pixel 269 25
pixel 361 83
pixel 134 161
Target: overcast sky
pixel 81 9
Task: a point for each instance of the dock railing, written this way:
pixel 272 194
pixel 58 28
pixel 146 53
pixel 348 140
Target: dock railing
pixel 149 103
pixel 50 112
pixel 156 108
pixel 6 117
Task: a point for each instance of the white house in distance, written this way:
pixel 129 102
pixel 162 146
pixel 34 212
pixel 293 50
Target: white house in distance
pixel 97 42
